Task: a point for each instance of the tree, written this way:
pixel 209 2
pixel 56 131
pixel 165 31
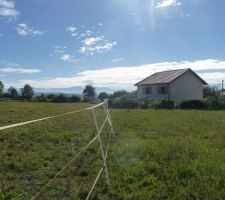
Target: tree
pixel 1 87
pixel 12 92
pixel 103 95
pixel 119 93
pixel 209 91
pixel 27 92
pixel 89 91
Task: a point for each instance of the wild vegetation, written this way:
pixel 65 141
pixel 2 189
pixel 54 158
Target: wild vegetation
pixel 156 154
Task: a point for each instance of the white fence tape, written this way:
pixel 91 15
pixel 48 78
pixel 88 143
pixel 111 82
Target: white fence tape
pixel 65 166
pixel 95 182
pixel 51 117
pixel 98 136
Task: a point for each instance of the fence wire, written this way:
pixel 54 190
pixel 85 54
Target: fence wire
pixel 104 152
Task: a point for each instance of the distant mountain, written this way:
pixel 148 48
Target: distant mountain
pixel 70 90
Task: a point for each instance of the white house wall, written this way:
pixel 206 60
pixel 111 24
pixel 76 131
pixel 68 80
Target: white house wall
pixel 186 87
pixel 142 95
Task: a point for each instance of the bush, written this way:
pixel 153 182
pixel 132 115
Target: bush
pixel 164 104
pixel 193 104
pixel 62 98
pixel 128 103
pixel 215 103
pixel 123 103
pixel 145 105
pixel 74 99
pixel 41 98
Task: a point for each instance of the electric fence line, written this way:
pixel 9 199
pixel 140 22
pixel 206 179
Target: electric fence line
pixel 104 154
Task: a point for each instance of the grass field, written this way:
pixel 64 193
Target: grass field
pixel 156 154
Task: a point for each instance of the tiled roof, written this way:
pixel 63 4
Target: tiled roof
pixel 166 77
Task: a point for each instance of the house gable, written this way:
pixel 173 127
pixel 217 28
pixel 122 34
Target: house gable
pixel 186 87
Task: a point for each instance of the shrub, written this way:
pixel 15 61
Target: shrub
pixel 215 103
pixel 144 105
pixel 193 104
pixel 128 103
pixel 164 104
pixel 41 98
pixel 51 96
pixel 123 103
pixel 61 98
pixel 74 99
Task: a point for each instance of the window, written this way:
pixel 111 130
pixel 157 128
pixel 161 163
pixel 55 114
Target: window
pixel 148 90
pixel 162 90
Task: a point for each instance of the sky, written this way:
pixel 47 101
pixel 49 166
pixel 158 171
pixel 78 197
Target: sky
pixel 108 43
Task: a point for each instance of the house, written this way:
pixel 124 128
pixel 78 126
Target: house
pixel 176 85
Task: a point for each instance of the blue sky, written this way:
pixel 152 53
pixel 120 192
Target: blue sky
pixel 108 43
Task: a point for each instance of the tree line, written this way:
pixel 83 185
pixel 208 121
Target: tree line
pixel 88 95
pixel 213 98
pixel 26 92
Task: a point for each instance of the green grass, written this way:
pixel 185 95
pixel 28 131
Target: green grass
pixel 156 154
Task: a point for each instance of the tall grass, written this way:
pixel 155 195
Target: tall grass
pixel 157 154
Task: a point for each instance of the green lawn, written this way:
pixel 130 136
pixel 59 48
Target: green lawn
pixel 156 154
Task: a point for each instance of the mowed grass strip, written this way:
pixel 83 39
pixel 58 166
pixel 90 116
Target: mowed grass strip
pixel 157 154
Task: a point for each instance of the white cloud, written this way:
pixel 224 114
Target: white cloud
pixel 61 52
pixel 100 24
pixel 19 70
pixel 68 58
pixel 92 40
pixel 7 9
pixel 96 45
pixel 168 3
pixel 87 33
pixel 126 77
pixel 24 30
pixel 117 60
pixel 97 49
pixel 72 30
